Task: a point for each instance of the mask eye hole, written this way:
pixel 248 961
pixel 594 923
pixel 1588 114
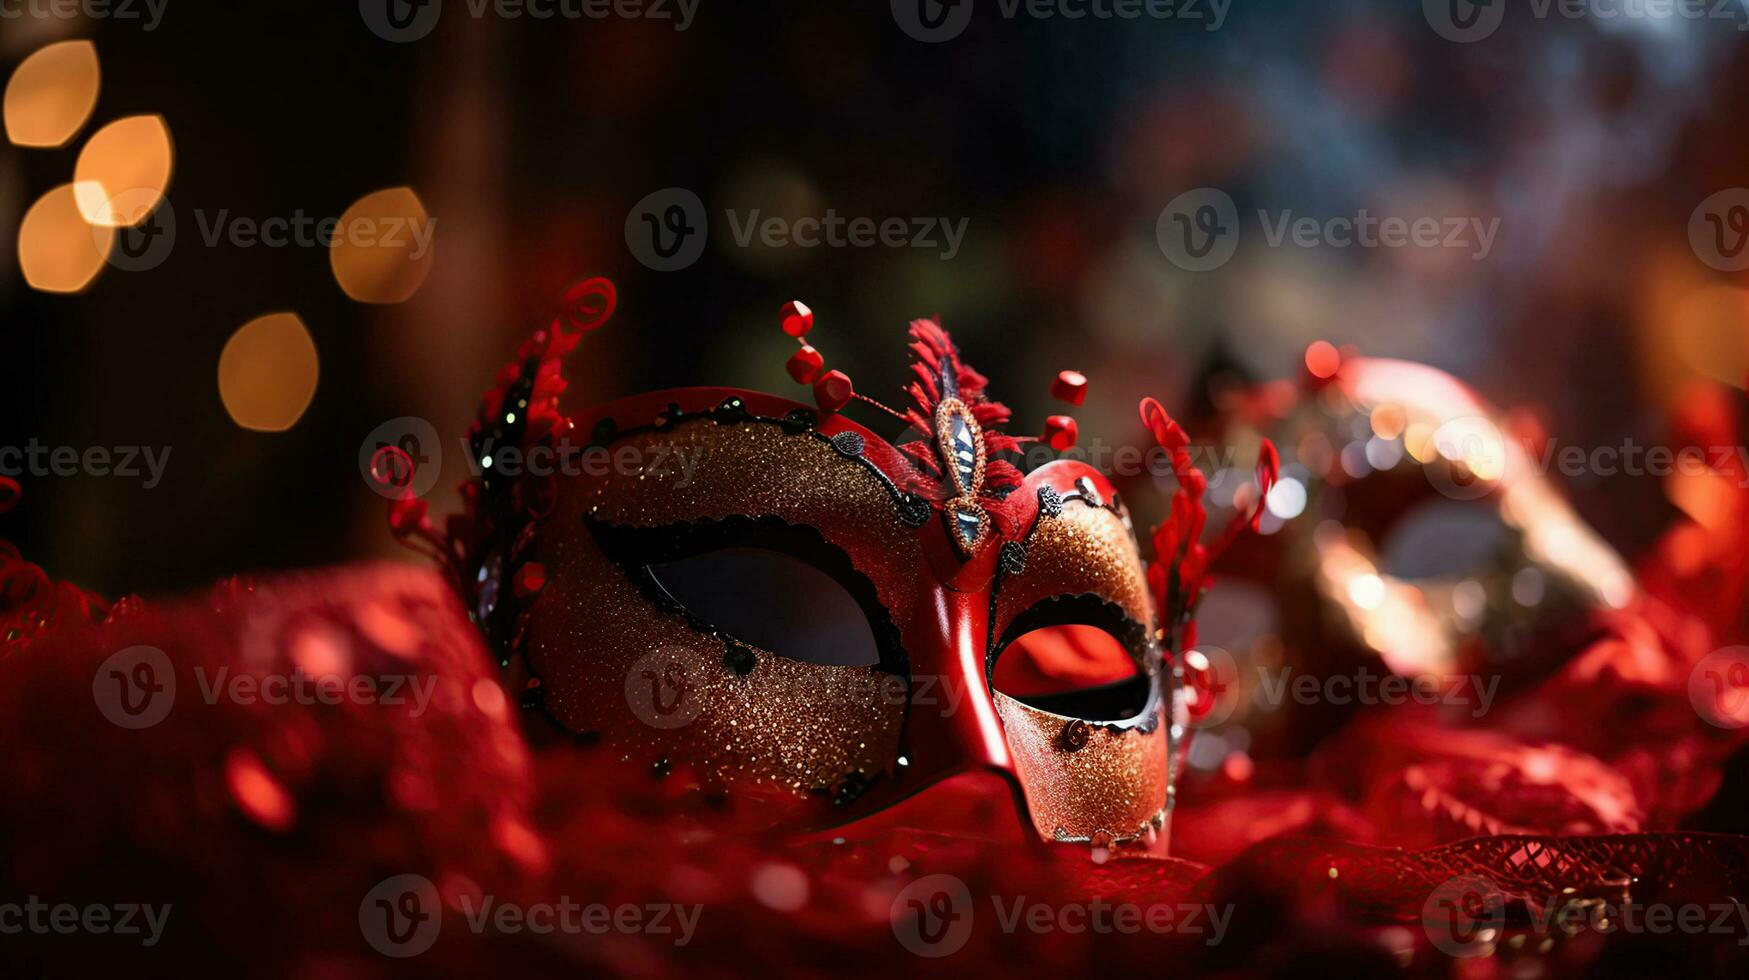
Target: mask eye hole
pixel 762 582
pixel 1442 538
pixel 1066 657
pixel 773 601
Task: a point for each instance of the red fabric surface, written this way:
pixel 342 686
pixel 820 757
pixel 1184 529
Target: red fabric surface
pixel 267 826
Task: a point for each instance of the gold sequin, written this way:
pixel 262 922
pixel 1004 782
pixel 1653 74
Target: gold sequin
pixel 1113 787
pixel 1083 550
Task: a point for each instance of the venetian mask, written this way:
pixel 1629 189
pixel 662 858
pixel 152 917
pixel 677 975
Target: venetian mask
pixel 1416 515
pixel 790 606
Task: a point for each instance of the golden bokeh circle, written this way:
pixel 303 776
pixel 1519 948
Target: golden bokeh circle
pixel 268 372
pixel 51 94
pixel 382 248
pixel 127 160
pixel 57 250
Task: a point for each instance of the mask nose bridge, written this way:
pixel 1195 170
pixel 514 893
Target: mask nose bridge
pixel 951 725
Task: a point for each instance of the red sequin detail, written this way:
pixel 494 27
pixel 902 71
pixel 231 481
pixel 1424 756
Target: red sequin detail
pixel 530 579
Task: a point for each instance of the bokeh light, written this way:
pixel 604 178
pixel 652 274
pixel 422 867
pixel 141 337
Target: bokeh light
pixel 268 372
pixel 382 250
pixel 51 95
pixel 1287 499
pixel 57 251
pixel 123 171
pixel 1709 329
pixel 1323 360
pixel 768 189
pixel 1388 421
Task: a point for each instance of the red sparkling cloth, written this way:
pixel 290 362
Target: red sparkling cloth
pixel 267 826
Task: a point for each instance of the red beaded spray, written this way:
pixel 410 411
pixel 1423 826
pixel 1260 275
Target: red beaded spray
pixel 958 461
pixel 833 390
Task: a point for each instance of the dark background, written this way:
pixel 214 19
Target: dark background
pixel 529 141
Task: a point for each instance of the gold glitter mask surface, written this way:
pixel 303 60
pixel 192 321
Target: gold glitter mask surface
pixel 1088 782
pixel 1081 546
pixel 1077 679
pixel 621 651
pixel 741 588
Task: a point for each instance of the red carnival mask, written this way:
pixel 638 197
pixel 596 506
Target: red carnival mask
pixel 786 604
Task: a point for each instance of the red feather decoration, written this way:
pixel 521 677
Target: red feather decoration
pixel 1179 575
pixel 942 375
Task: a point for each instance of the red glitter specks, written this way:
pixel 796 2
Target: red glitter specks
pixel 413 791
pixel 489 698
pixel 530 580
pixel 320 650
pixel 388 629
pixel 783 887
pixel 520 844
pixel 10 492
pixel 261 798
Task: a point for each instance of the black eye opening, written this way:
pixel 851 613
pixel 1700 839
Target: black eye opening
pixel 760 582
pixel 1113 665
